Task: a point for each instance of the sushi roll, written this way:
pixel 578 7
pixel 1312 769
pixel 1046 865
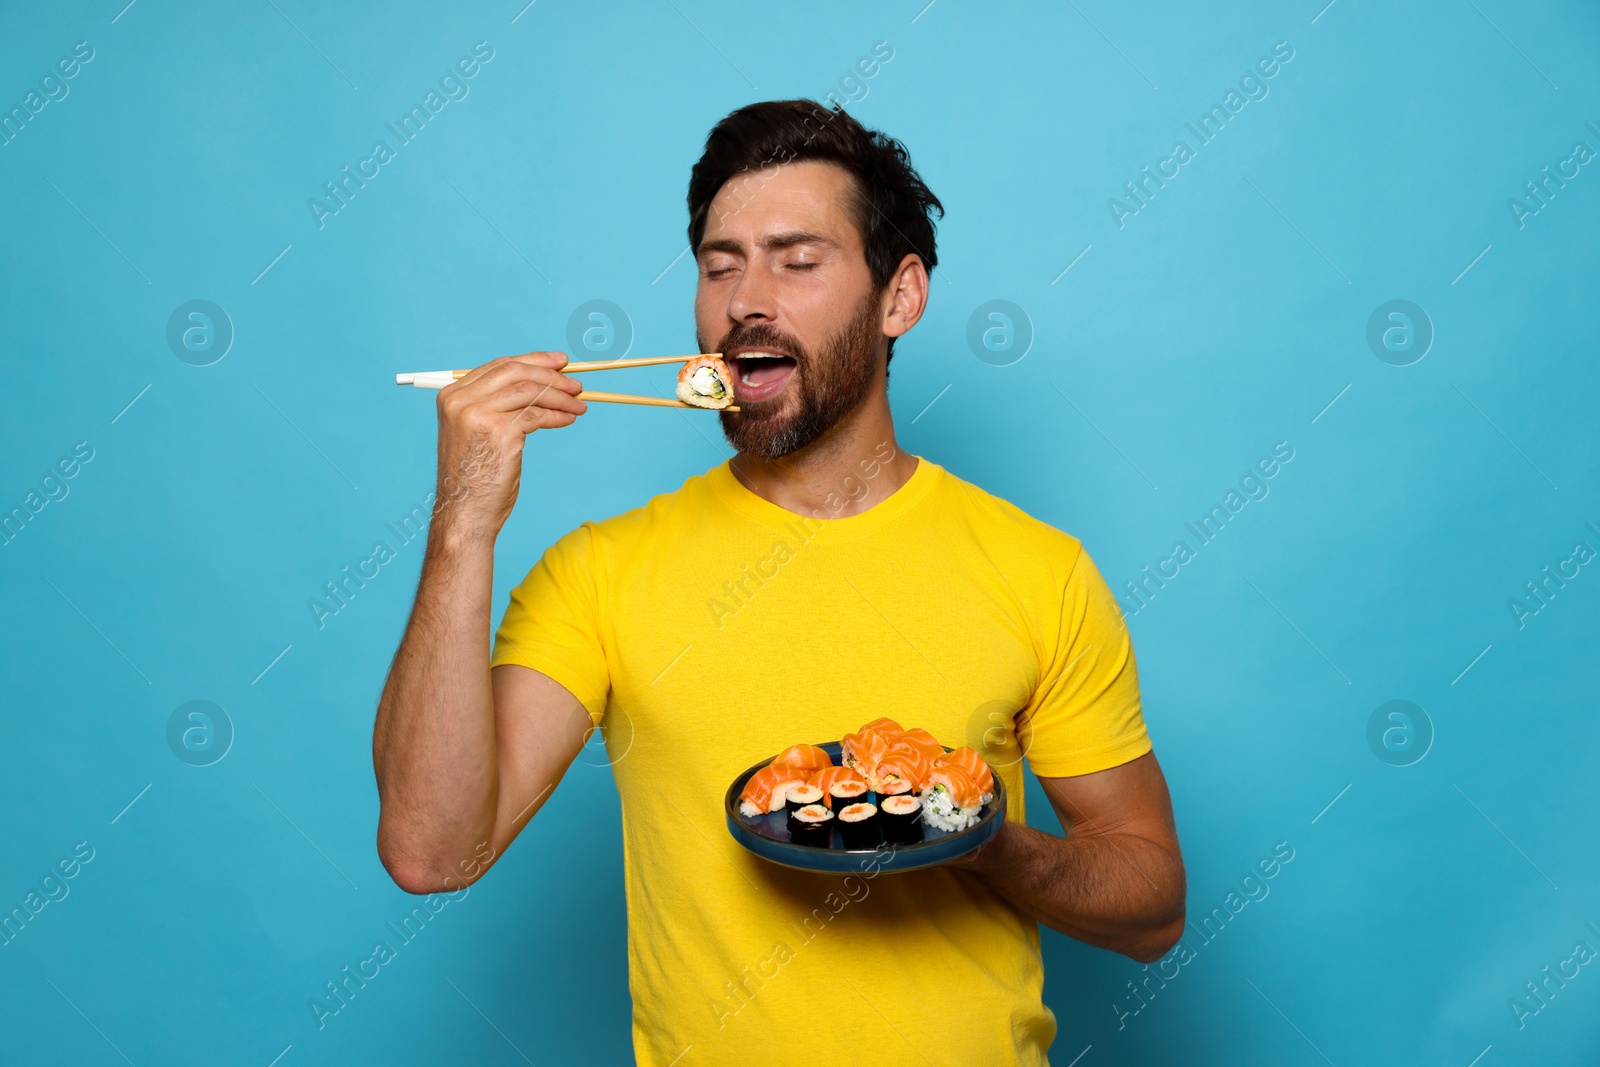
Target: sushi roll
pixel 901 816
pixel 950 800
pixel 846 791
pixel 923 742
pixel 887 727
pixel 904 762
pixel 825 777
pixel 862 750
pixel 811 825
pixel 858 826
pixel 894 787
pixel 969 762
pixel 706 382
pixel 801 795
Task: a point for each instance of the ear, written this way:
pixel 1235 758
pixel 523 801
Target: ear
pixel 908 296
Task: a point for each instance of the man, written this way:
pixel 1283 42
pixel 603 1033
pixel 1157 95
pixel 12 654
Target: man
pixel 821 578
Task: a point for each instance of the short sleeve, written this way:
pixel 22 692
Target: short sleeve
pixel 1085 715
pixel 552 622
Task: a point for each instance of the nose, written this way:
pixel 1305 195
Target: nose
pixel 754 297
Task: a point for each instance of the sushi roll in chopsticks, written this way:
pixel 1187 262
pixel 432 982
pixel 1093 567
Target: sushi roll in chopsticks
pixel 950 800
pixel 901 816
pixel 706 382
pixel 811 825
pixel 858 826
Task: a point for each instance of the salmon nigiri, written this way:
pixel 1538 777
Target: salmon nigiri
pixel 973 765
pixel 768 789
pixel 808 756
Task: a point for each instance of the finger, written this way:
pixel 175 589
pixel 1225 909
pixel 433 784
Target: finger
pixel 546 360
pixel 509 404
pixel 552 394
pixel 512 383
pixel 540 418
pixel 553 360
pixel 519 380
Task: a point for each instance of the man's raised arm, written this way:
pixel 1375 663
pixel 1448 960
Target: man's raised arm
pixel 465 756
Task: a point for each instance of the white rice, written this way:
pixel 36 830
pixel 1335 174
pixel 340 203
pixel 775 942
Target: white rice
pixel 702 387
pixel 940 812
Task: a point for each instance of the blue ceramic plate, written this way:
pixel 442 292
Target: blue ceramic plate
pixel 768 836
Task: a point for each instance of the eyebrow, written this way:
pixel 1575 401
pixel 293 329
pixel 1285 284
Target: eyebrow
pixel 777 240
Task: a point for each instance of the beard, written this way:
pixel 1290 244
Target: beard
pixel 825 388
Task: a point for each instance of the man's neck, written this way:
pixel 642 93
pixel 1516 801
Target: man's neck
pixel 846 471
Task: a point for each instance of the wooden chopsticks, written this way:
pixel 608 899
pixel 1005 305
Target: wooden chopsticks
pixel 438 379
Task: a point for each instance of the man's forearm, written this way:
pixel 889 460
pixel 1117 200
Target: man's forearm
pixel 434 740
pixel 1119 891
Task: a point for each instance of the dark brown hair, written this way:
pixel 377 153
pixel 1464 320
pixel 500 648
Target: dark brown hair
pixel 891 205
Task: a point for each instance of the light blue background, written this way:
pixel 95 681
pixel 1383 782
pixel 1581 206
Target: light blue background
pixel 1223 317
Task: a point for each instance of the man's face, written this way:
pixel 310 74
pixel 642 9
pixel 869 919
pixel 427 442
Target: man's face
pixel 785 294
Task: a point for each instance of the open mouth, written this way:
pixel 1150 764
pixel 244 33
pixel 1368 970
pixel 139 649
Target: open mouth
pixel 760 375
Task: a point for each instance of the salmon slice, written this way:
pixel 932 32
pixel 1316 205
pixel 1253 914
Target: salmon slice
pixel 902 761
pixel 923 742
pixel 962 789
pixel 972 764
pixel 808 756
pixel 827 776
pixel 863 750
pixel 886 726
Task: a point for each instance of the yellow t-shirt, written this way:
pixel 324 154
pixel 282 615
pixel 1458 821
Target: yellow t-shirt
pixel 708 630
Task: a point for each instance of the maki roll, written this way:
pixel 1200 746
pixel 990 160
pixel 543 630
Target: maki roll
pixel 901 817
pixel 894 787
pixel 950 800
pixel 858 825
pixel 811 825
pixel 801 795
pixel 706 382
pixel 846 791
pixel 825 778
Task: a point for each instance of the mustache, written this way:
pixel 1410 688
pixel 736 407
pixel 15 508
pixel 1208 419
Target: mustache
pixel 762 337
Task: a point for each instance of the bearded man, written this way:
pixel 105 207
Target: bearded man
pixel 821 578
